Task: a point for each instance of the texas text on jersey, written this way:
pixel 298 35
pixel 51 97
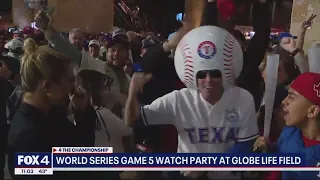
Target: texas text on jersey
pixel 203 127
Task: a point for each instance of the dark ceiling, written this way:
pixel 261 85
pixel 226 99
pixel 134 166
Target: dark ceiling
pixel 162 13
pixel 5 5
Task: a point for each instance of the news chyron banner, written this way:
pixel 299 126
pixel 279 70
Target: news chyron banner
pixel 103 159
pixel 44 163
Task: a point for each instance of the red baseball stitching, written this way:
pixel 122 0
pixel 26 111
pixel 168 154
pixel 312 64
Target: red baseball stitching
pixel 188 64
pixel 228 57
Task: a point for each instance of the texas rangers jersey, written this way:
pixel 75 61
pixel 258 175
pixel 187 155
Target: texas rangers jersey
pixel 290 141
pixel 203 127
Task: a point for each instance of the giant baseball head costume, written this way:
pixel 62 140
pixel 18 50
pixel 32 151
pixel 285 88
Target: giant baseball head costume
pixel 208 48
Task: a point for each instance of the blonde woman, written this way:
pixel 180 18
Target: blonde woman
pixel 41 122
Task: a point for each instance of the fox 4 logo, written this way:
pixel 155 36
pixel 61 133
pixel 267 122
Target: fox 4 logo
pixel 33 160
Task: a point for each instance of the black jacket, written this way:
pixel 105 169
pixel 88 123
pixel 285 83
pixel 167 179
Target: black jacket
pixel 13 102
pixel 5 90
pixel 164 80
pixel 250 77
pixel 164 76
pixel 31 130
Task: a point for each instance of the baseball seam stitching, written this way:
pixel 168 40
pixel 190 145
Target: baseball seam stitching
pixel 228 57
pixel 188 64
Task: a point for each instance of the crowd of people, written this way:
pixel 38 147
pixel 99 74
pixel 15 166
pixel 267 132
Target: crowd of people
pixel 123 90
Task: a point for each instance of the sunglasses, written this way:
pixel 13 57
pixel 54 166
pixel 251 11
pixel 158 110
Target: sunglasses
pixel 212 74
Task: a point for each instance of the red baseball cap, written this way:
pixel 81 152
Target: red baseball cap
pixel 308 85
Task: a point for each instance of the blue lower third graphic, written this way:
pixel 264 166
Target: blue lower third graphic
pixel 176 160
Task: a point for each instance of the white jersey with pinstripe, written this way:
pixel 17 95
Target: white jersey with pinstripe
pixel 203 127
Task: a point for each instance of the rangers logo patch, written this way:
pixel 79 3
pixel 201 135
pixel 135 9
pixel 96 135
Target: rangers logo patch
pixel 207 50
pixel 316 88
pixel 232 115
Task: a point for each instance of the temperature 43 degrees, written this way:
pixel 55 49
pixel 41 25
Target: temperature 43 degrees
pixel 43 171
pixel 33 171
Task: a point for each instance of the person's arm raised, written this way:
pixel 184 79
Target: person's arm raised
pixel 132 107
pixel 210 14
pixel 302 33
pixel 300 59
pixel 258 44
pixel 44 23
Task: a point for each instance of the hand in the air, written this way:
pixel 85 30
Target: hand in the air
pixel 43 21
pixel 138 80
pixel 307 23
pixel 262 144
pixel 288 43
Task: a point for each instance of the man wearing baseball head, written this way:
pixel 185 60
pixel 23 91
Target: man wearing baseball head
pixel 211 115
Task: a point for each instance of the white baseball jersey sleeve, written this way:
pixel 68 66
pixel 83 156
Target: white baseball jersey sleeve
pixel 203 127
pixel 249 129
pixel 110 130
pixel 160 111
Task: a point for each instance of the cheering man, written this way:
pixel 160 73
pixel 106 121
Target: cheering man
pixel 210 118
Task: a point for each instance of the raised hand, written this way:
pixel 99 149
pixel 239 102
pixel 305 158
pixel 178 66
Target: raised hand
pixel 307 23
pixel 288 43
pixel 42 19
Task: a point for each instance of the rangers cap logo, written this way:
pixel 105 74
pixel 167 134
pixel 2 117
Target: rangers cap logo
pixel 316 88
pixel 207 50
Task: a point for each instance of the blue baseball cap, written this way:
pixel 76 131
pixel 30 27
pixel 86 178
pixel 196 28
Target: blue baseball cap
pixel 285 34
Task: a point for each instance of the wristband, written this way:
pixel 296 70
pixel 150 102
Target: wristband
pixel 295 52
